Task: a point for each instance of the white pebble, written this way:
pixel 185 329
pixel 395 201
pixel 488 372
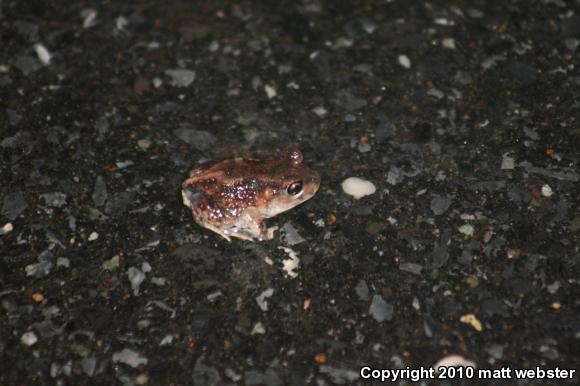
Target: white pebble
pixel 258 329
pixel 290 264
pixel 442 21
pixel 7 228
pixel 547 190
pixel 448 43
pixel 320 111
pixel 167 340
pixel 93 236
pixel 43 55
pixel 121 22
pixel 404 61
pixel 467 229
pixel 261 298
pixel 270 91
pixel 129 357
pixel 29 338
pixel 144 143
pixel 357 187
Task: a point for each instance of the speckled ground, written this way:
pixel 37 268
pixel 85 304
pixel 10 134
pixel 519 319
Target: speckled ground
pixel 463 114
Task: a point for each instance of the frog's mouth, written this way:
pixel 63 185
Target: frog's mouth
pixel 190 196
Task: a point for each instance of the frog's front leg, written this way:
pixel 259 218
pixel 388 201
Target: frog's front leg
pixel 265 232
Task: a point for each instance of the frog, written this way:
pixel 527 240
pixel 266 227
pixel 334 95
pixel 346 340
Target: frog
pixel 233 196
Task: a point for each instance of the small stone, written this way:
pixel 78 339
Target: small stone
pixel 261 299
pixel 144 144
pixel 320 111
pixel 180 77
pixel 200 139
pixel 513 253
pixel 43 267
pixel 214 46
pixel 395 175
pixel 7 228
pixel 290 234
pixel 439 205
pixel 448 43
pixel 553 288
pixel 100 194
pixel 270 91
pixel 167 340
pixel 93 236
pixel 346 100
pixel 467 230
pixel 43 54
pixel 141 379
pixel 472 320
pixel 572 44
pixel 435 93
pixel 158 281
pixel 111 264
pixel 321 358
pixel 404 61
pixel 443 21
pixel 89 17
pixel 547 190
pixel 380 309
pixel 411 268
pixel 364 147
pixel 358 188
pixel 63 262
pixel 54 199
pixel 290 264
pixel 231 374
pixel 507 162
pixel 14 204
pixel 130 358
pixel 124 164
pixel 362 290
pixel 29 338
pixel 136 277
pixel 88 365
pixel 258 329
pixel 38 297
pixel 258 378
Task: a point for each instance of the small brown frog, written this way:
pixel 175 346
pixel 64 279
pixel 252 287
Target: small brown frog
pixel 231 197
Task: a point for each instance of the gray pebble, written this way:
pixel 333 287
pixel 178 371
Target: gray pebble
pixel 439 205
pixel 99 192
pixel 380 309
pixel 199 139
pixel 13 205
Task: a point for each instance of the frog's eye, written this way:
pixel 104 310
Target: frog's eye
pixel 295 188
